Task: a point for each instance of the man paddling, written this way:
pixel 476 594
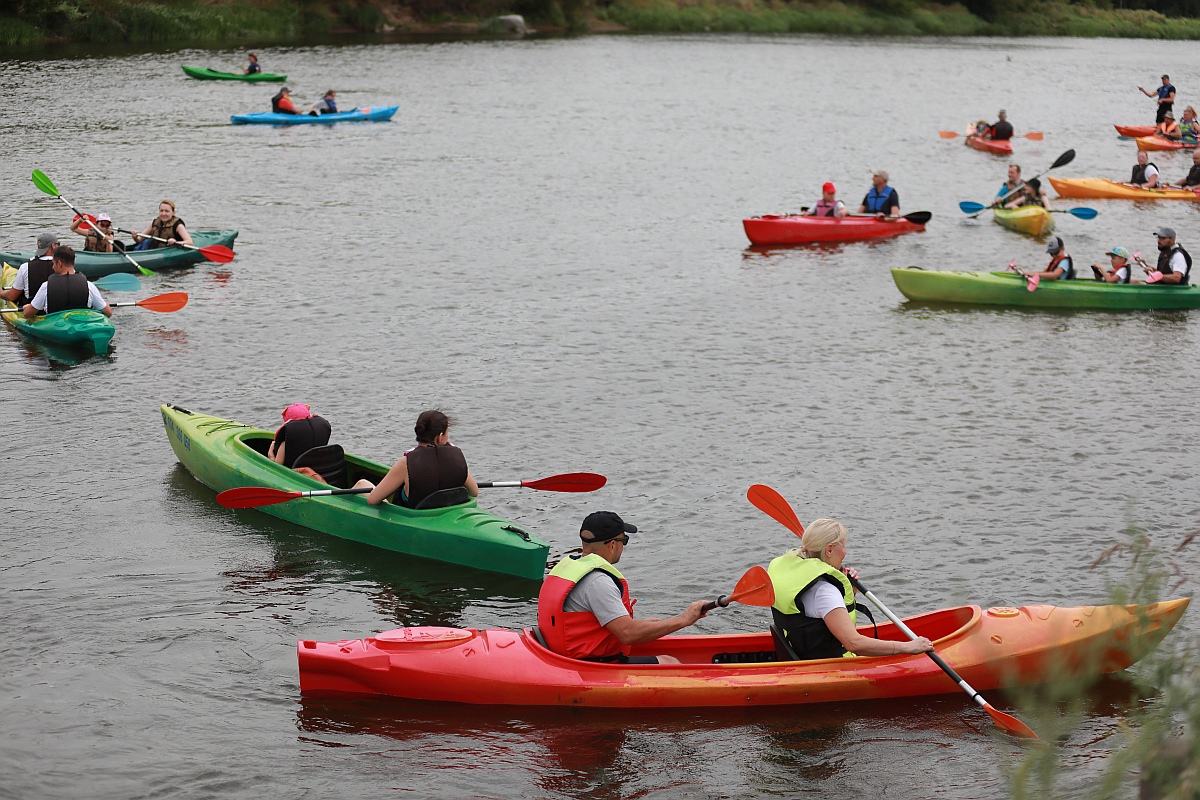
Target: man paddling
pixel 1174 263
pixel 584 608
pixel 1145 172
pixel 1192 181
pixel 1166 97
pixel 282 103
pixel 66 289
pixel 33 273
pixel 1002 129
pixel 882 200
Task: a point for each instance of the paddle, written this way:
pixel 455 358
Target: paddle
pixel 916 217
pixel 968 207
pixel 44 184
pixel 753 589
pixel 118 282
pixel 1033 136
pixel 213 252
pixel 162 303
pixel 255 496
pixel 773 504
pixel 1061 161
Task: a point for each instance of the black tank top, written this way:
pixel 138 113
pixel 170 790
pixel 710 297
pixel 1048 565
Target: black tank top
pixel 65 292
pixel 432 468
pixel 302 435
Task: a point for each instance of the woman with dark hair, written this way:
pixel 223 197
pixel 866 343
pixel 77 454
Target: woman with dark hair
pixel 434 464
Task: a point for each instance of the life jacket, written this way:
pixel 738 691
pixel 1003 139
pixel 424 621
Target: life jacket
pixel 164 230
pixel 1188 129
pixel 65 292
pixel 302 435
pixel 277 104
pixel 1068 269
pixel 95 242
pixel 826 208
pixel 1128 272
pixel 578 634
pixel 1139 172
pixel 432 468
pixel 810 637
pixel 37 270
pixel 1168 131
pixel 875 200
pixel 1001 130
pixel 1164 263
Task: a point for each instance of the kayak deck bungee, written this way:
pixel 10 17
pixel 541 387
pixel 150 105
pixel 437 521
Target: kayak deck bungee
pixel 206 74
pixel 1033 220
pixel 998 147
pixel 1100 189
pixel 1009 289
pixel 796 229
pixel 1154 143
pixel 996 648
pixel 78 328
pixel 223 454
pixel 376 114
pixel 97 265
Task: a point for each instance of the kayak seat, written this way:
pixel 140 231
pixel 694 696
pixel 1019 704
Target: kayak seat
pixel 329 461
pixel 536 633
pixel 444 498
pixel 783 650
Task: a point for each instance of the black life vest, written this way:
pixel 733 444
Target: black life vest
pixel 36 272
pixel 1139 172
pixel 275 103
pixel 302 435
pixel 1164 263
pixel 65 292
pixel 432 468
pixel 1068 269
pixel 1002 130
pixel 164 230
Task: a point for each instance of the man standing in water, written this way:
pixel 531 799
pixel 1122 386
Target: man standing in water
pixel 1166 98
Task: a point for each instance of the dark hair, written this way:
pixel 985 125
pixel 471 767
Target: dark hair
pixel 1034 184
pixel 1166 77
pixel 430 425
pixel 65 254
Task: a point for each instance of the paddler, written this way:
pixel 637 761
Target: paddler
pixel 282 103
pixel 65 289
pixel 1145 172
pixel 882 200
pixel 432 466
pixel 1189 126
pixel 814 600
pixel 326 105
pixel 828 205
pixel 1002 129
pixel 1031 193
pixel 1174 263
pixel 300 432
pixel 584 608
pixel 1121 269
pixel 1166 97
pixel 95 241
pixel 1168 129
pixel 33 273
pixel 1010 186
pixel 1192 181
pixel 1061 266
pixel 253 68
pixel 165 226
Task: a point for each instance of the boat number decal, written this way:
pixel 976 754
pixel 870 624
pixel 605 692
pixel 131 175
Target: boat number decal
pixel 177 432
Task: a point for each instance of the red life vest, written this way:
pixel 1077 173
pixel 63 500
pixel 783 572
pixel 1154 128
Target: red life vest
pixel 578 634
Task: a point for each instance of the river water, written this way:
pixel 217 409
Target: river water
pixel 546 242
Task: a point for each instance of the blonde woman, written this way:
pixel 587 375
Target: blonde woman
pixel 167 225
pixel 814 600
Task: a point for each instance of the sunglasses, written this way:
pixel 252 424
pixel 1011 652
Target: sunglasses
pixel 105 224
pixel 623 539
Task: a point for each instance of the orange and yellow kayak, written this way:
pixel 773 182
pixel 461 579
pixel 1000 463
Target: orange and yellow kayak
pixel 1134 131
pixel 1100 189
pixel 991 648
pixel 1162 143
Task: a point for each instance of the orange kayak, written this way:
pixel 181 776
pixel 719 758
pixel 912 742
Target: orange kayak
pixel 1134 131
pixel 793 229
pixel 1000 147
pixel 1161 143
pixel 989 648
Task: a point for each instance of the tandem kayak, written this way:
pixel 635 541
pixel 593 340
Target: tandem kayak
pixel 1135 131
pixel 792 229
pixel 223 454
pixel 1009 289
pixel 377 114
pixel 78 328
pixel 206 74
pixel 999 647
pixel 97 265
pixel 1161 143
pixel 1100 189
pixel 999 147
pixel 1033 220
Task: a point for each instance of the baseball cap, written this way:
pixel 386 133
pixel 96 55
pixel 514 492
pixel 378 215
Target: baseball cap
pixel 881 173
pixel 104 218
pixel 296 411
pixel 1162 233
pixel 1119 252
pixel 1054 245
pixel 44 242
pixel 829 187
pixel 604 526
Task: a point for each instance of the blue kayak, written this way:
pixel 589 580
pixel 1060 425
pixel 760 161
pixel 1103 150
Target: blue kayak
pixel 377 114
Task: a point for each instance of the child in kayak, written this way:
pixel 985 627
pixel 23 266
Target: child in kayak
pixel 1060 268
pixel 828 205
pixel 1031 194
pixel 1120 273
pixel 302 430
pixel 95 241
pixel 281 103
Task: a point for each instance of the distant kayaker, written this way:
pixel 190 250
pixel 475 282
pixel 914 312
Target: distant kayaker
pixel 1192 181
pixel 165 226
pixel 1002 129
pixel 33 273
pixel 882 200
pixel 828 205
pixel 95 241
pixel 300 432
pixel 1174 263
pixel 1010 186
pixel 65 289
pixel 1189 126
pixel 282 103
pixel 1168 128
pixel 433 465
pixel 326 105
pixel 1145 172
pixel 1061 266
pixel 1165 95
pixel 253 68
pixel 1031 193
pixel 584 607
pixel 1121 270
pixel 814 600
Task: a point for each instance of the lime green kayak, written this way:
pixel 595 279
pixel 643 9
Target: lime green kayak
pixel 77 328
pixel 206 74
pixel 1009 289
pixel 1033 220
pixel 223 454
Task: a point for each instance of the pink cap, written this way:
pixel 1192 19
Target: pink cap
pixel 296 411
pixel 829 187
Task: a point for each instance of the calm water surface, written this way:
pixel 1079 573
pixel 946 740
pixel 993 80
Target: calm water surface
pixel 546 242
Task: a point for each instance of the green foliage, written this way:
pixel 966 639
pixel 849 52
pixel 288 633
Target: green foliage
pixel 365 18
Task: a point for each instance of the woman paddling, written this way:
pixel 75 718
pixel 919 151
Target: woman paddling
pixel 814 600
pixel 434 464
pixel 165 226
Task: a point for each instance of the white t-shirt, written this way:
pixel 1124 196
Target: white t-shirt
pixel 22 280
pixel 821 598
pixel 1122 273
pixel 95 299
pixel 1178 263
pixel 1151 172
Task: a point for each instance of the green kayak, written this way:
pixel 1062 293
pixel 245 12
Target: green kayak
pixel 78 328
pixel 97 265
pixel 206 74
pixel 223 454
pixel 1009 289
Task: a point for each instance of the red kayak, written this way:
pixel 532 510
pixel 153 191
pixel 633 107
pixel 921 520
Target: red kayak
pixel 989 648
pixel 772 229
pixel 1000 147
pixel 1135 131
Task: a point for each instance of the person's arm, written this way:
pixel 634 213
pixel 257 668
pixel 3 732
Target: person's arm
pixel 1177 264
pixel 280 452
pixel 894 211
pixel 96 300
pixel 75 227
pixel 1151 178
pixel 137 237
pixel 1170 98
pixel 471 485
pixel 839 624
pixel 397 476
pixel 184 236
pixel 639 631
pixel 37 305
pixel 840 210
pixel 11 294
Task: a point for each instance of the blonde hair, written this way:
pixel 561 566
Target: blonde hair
pixel 168 202
pixel 820 534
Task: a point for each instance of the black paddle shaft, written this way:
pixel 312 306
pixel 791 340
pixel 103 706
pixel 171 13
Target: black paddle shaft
pixel 721 601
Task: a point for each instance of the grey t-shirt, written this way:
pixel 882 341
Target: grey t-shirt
pixel 597 592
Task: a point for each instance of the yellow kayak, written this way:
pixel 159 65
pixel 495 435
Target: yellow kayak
pixel 1100 189
pixel 1033 220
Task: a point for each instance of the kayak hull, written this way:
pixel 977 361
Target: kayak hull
pixel 998 147
pixel 379 114
pixel 82 329
pixel 97 265
pixel 1009 289
pixel 1100 189
pixel 223 454
pixel 791 229
pixel 999 647
pixel 1135 131
pixel 206 74
pixel 1154 143
pixel 1033 220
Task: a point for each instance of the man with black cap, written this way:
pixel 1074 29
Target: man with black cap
pixel 584 608
pixel 33 273
pixel 1061 267
pixel 1174 263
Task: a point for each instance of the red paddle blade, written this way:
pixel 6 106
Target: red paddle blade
pixel 1008 723
pixel 218 253
pixel 171 301
pixel 1035 136
pixel 772 503
pixel 88 217
pixel 947 134
pixel 754 589
pixel 568 482
pixel 254 496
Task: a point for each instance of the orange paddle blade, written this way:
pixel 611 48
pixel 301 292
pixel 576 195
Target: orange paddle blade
pixel 772 503
pixel 254 496
pixel 1009 724
pixel 1035 136
pixel 171 301
pixel 218 253
pixel 947 134
pixel 568 482
pixel 754 589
